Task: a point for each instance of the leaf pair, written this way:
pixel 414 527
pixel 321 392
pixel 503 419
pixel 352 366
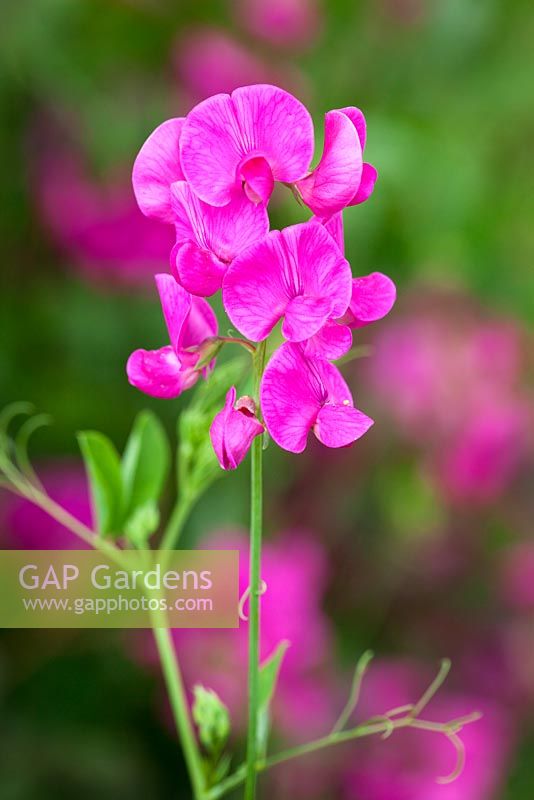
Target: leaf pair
pixel 125 492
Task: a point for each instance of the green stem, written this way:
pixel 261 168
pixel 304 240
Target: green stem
pixel 256 514
pixel 176 522
pixel 179 705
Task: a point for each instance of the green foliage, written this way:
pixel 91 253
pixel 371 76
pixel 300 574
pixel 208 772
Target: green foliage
pixel 103 468
pixel 145 463
pixel 269 671
pixel 212 720
pixel 125 492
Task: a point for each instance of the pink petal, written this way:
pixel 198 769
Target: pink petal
pixel 158 373
pixel 331 342
pixel 201 323
pixel 156 167
pixel 254 294
pixel 305 316
pixel 258 178
pixel 367 185
pixel 373 296
pixel 334 226
pixel 232 432
pixel 358 120
pixel 339 426
pixel 290 398
pixel 197 270
pixel 225 231
pixel 335 180
pixel 259 120
pixel 175 304
pixel 300 261
pixel 323 272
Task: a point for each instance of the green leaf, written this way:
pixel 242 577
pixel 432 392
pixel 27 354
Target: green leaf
pixel 269 672
pixel 104 473
pixel 142 523
pixel 145 463
pixel 211 393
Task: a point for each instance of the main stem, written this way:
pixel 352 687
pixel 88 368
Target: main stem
pixel 256 514
pixel 180 706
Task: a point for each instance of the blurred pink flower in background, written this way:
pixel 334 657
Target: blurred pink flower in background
pixel 295 571
pixel 208 61
pixel 280 22
pixel 96 223
pixel 457 383
pixel 26 527
pixel 405 766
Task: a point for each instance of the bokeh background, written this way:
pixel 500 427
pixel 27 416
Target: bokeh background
pixel 416 542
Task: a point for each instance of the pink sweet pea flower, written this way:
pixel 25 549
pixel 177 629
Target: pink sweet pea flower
pixel 248 139
pixel 341 178
pixel 233 430
pixel 208 238
pixel 156 168
pixel 190 321
pixel 299 394
pixel 297 274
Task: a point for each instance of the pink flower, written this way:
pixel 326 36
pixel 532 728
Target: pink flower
pixel 27 527
pixel 405 766
pixel 169 371
pixel 280 22
pixel 297 274
pixel 233 430
pixel 208 238
pixel 300 394
pixel 156 168
pixel 248 139
pixel 341 178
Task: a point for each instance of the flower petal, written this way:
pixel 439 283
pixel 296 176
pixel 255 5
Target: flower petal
pixel 224 231
pixel 158 373
pixel 258 179
pixel 331 342
pixel 197 270
pixel 358 120
pixel 259 120
pixel 156 167
pixel 175 304
pixel 254 294
pixel 232 432
pixel 290 397
pixel 334 226
pixel 367 185
pixel 339 426
pixel 305 316
pixel 373 296
pixel 201 323
pixel 335 180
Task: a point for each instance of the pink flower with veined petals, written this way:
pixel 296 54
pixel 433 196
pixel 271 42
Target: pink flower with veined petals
pixel 255 136
pixel 169 371
pixel 208 238
pixel 156 168
pixel 300 394
pixel 233 430
pixel 341 178
pixel 297 274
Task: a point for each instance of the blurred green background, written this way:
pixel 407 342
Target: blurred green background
pixel 446 86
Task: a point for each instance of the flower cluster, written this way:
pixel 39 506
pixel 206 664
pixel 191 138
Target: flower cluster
pixel 211 175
